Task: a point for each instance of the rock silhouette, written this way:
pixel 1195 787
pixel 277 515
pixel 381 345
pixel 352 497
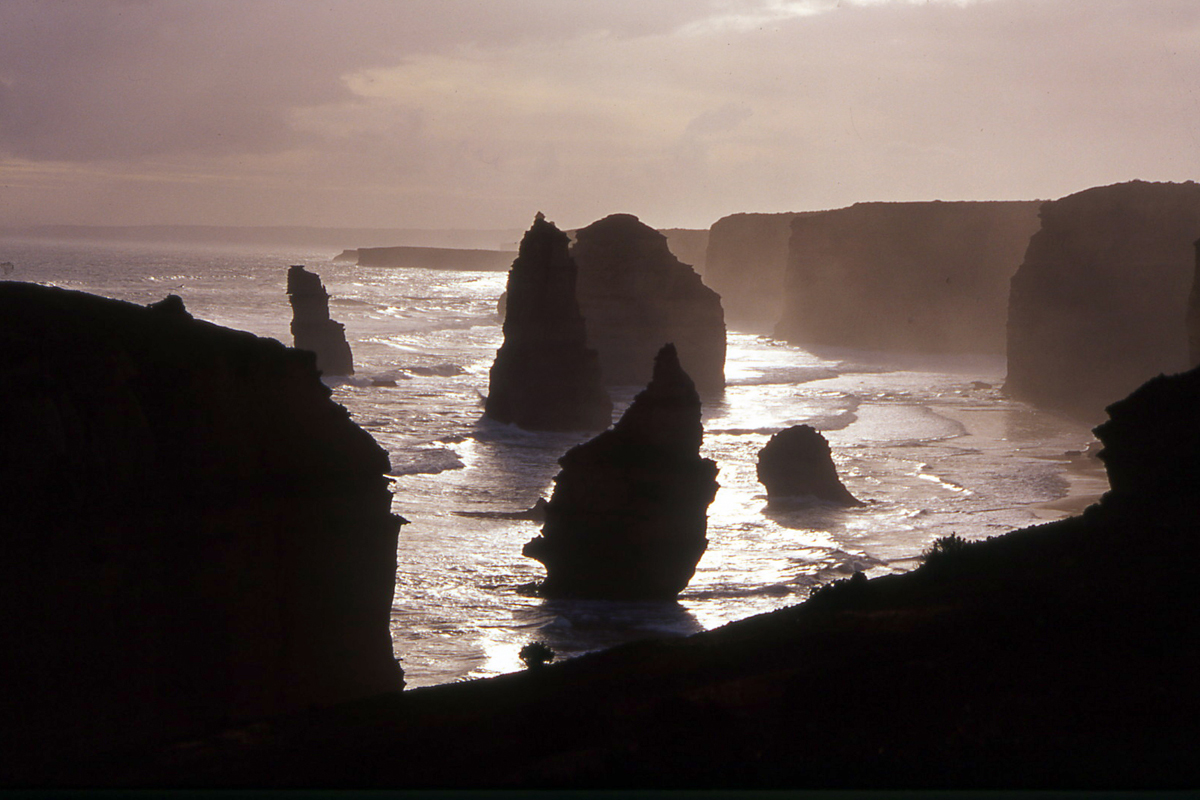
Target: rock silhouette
pixel 312 328
pixel 545 377
pixel 796 463
pixel 636 296
pixel 628 516
pixel 1100 303
pixel 923 277
pixel 195 534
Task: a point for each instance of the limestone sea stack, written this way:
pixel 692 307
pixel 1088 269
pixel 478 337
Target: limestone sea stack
pixel 629 513
pixel 195 534
pixel 797 464
pixel 636 296
pixel 312 328
pixel 1100 303
pixel 545 377
pixel 917 277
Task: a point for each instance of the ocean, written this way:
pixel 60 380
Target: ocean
pixel 927 441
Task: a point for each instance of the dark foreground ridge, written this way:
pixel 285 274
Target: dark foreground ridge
pixel 1059 656
pixel 629 515
pixel 195 535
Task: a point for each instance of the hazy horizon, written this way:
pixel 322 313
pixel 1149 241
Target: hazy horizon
pixel 475 115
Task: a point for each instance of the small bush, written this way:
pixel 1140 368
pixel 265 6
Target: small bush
pixel 946 551
pixel 535 654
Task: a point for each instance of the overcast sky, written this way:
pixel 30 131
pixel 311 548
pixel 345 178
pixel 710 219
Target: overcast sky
pixel 478 113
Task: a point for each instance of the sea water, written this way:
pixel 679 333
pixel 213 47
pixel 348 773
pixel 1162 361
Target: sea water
pixel 928 442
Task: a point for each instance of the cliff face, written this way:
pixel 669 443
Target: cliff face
pixel 545 377
pixel 312 329
pixel 746 265
pixel 926 277
pixel 1193 314
pixel 797 463
pixel 1099 304
pixel 689 245
pixel 195 534
pixel 629 513
pixel 636 296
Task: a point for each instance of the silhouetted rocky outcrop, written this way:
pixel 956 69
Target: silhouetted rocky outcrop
pixel 312 329
pixel 545 377
pixel 636 296
pixel 796 463
pixel 629 512
pixel 746 264
pixel 925 277
pixel 1100 303
pixel 194 533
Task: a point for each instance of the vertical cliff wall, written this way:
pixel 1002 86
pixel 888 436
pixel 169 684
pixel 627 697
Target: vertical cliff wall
pixel 194 533
pixel 1100 303
pixel 689 245
pixel 926 277
pixel 312 328
pixel 636 296
pixel 746 265
pixel 1193 314
pixel 545 377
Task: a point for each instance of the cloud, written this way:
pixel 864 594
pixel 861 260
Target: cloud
pixel 454 112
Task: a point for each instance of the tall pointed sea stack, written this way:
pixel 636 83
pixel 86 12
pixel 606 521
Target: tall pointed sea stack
pixel 544 376
pixel 629 513
pixel 636 296
pixel 312 329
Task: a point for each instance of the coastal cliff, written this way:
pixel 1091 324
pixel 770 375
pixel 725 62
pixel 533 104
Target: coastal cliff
pixel 636 296
pixel 925 277
pixel 1100 303
pixel 629 513
pixel 312 328
pixel 746 264
pixel 545 377
pixel 195 533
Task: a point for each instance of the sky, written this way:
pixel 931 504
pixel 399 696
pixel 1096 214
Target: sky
pixel 479 113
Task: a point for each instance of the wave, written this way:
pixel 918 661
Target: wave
pixel 428 461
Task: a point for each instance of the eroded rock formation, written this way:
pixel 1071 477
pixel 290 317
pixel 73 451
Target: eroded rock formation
pixel 1100 303
pixel 636 296
pixel 194 533
pixel 796 463
pixel 924 277
pixel 545 377
pixel 312 328
pixel 629 513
